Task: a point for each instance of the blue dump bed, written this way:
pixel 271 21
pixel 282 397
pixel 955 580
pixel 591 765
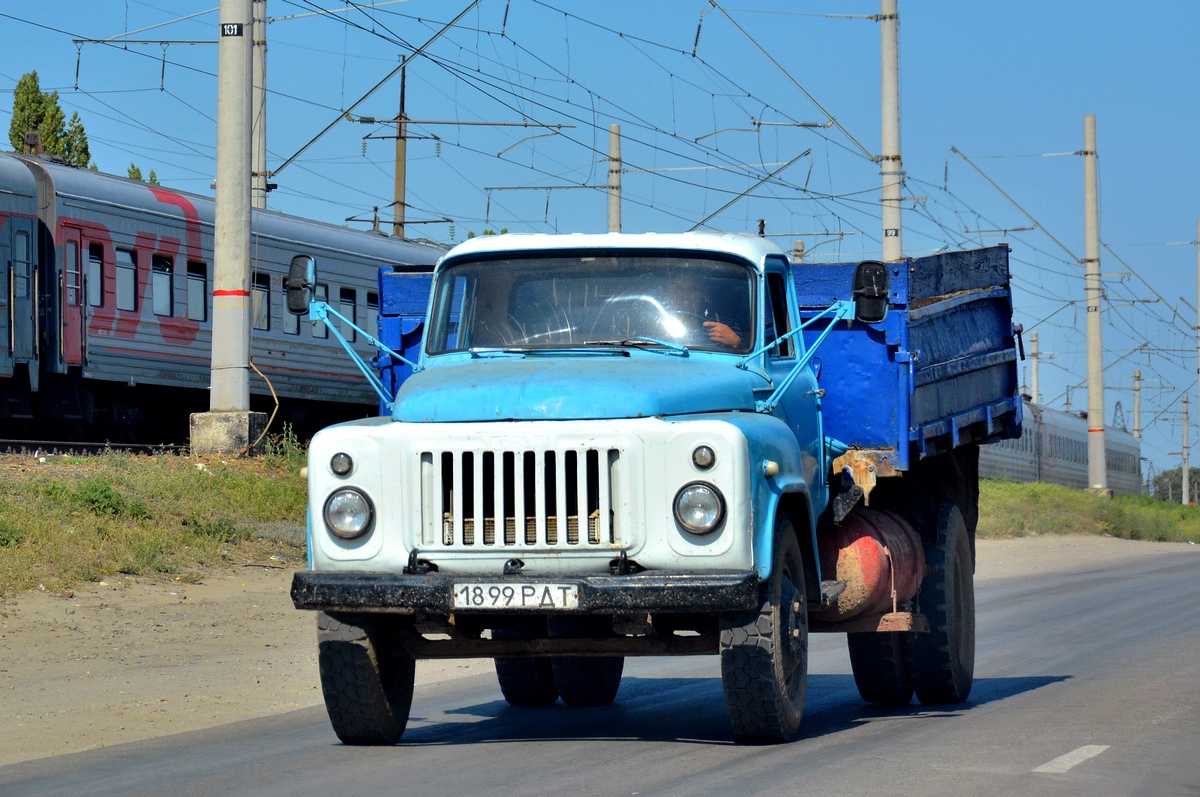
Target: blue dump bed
pixel 940 371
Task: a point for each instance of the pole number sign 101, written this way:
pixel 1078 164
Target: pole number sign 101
pixel 231 29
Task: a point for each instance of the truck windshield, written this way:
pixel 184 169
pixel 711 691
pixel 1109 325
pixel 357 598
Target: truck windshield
pixel 569 300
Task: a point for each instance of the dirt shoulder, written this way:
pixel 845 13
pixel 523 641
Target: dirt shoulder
pixel 122 661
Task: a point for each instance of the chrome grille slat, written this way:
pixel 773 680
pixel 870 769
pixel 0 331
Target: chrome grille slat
pixel 541 498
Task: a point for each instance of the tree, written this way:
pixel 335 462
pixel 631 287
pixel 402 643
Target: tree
pixel 29 108
pixel 1168 484
pixel 33 109
pixel 135 173
pixel 75 144
pixel 53 126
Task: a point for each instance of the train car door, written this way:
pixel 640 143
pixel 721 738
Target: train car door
pixel 6 353
pixel 22 297
pixel 71 334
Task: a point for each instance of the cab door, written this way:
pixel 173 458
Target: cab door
pixel 800 405
pixel 71 331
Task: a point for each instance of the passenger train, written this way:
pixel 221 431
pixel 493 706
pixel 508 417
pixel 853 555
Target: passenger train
pixel 1053 448
pixel 106 308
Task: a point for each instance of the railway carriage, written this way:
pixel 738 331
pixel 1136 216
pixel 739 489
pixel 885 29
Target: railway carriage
pixel 110 316
pixel 1053 448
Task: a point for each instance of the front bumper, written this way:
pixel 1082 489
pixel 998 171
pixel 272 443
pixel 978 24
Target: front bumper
pixel 651 591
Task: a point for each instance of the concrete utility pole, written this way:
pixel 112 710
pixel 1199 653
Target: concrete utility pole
pixel 614 178
pixel 890 168
pixel 258 194
pixel 1186 470
pixel 1093 294
pixel 229 426
pixel 1137 404
pixel 1034 396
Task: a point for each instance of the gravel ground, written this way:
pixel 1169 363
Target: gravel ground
pixel 127 660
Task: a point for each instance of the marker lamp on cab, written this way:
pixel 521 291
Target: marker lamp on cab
pixel 349 514
pixel 341 463
pixel 699 507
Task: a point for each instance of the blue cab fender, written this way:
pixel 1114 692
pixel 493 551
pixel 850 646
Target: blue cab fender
pixel 797 486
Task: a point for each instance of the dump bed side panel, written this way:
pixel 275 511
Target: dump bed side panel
pixel 940 371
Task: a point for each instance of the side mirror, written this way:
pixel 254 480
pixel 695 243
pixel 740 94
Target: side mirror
pixel 870 291
pixel 302 278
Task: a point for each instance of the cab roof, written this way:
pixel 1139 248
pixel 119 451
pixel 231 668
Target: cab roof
pixel 751 247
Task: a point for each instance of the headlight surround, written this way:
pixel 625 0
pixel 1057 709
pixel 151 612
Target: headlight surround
pixel 349 513
pixel 699 507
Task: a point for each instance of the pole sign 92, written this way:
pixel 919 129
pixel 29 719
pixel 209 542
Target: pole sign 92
pixel 231 29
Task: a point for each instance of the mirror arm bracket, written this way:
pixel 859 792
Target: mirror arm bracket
pixel 840 310
pixel 321 311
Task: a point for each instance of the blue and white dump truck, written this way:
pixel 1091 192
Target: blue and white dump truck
pixel 649 445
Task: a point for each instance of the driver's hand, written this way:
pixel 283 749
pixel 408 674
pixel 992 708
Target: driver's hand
pixel 721 333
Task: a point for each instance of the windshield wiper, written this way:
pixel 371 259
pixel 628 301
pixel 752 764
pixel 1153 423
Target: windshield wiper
pixel 641 341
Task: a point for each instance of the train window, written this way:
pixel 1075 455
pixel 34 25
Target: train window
pixel 162 286
pixel 197 294
pixel 320 294
pixel 95 275
pixel 71 275
pixel 373 314
pixel 347 308
pixel 126 279
pixel 20 266
pixel 261 301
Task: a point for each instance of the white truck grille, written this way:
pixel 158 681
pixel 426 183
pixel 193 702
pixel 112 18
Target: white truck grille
pixel 558 498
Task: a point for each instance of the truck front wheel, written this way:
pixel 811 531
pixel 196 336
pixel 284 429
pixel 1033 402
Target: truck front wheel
pixel 942 662
pixel 366 678
pixel 764 654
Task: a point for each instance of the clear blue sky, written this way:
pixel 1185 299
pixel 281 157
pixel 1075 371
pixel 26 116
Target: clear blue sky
pixel 1005 83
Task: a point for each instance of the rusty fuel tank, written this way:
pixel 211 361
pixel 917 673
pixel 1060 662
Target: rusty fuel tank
pixel 879 556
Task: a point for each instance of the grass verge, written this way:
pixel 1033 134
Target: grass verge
pixel 65 520
pixel 1009 509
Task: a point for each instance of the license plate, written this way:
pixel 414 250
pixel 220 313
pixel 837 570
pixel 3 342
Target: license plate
pixel 548 597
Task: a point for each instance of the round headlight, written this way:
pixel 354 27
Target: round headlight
pixel 341 464
pixel 348 514
pixel 704 457
pixel 699 507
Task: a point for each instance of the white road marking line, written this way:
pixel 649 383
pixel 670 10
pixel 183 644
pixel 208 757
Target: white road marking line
pixel 1064 763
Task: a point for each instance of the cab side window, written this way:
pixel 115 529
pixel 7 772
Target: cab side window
pixel 778 320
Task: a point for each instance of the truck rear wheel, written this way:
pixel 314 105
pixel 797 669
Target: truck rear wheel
pixel 367 679
pixel 764 654
pixel 942 662
pixel 880 668
pixel 525 682
pixel 585 680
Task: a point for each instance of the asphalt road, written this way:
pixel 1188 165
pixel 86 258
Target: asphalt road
pixel 1086 684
